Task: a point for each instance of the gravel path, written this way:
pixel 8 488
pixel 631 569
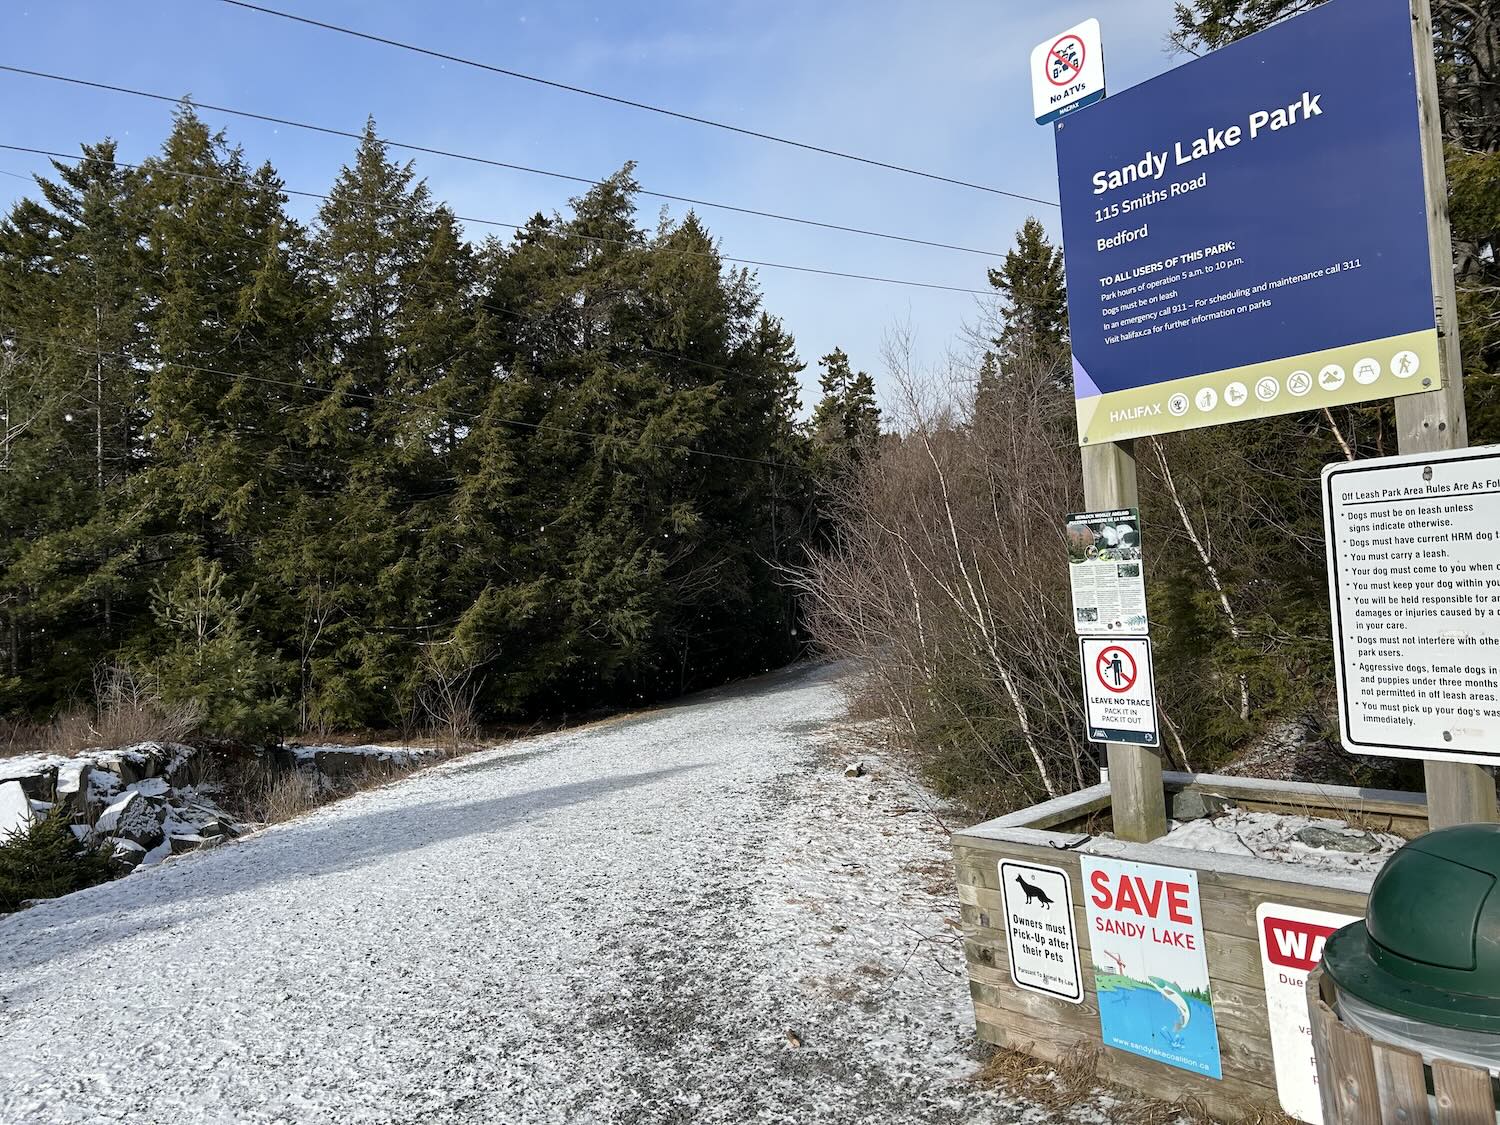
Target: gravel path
pixel 690 915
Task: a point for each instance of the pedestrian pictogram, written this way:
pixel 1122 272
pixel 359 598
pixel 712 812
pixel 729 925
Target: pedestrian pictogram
pixel 1116 669
pixel 1065 60
pixel 1118 693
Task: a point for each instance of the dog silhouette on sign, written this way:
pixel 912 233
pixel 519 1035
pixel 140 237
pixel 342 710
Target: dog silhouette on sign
pixel 1033 893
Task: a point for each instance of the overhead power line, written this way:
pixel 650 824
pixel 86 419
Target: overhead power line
pixel 410 147
pixel 55 155
pixel 665 112
pixel 312 256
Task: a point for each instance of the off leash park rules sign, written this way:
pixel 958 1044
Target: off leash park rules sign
pixel 1414 578
pixel 1039 930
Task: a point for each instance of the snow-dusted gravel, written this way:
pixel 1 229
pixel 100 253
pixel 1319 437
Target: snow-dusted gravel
pixel 634 922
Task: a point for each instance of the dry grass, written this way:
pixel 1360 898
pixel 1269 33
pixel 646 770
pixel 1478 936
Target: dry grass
pixel 127 710
pixel 253 795
pixel 1054 1087
pixel 1074 1084
pixel 293 794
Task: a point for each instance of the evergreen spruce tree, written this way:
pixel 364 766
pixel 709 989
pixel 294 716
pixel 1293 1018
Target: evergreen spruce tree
pixel 1035 306
pixel 846 422
pixel 70 300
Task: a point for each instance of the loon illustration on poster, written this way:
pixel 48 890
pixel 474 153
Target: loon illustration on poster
pixel 1150 968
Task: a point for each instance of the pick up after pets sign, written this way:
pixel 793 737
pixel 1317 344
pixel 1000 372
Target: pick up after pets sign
pixel 1039 930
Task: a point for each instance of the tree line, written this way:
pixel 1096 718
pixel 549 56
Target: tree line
pixel 368 472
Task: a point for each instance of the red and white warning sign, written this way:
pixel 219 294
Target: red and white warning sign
pixel 1067 72
pixel 1119 693
pixel 1291 945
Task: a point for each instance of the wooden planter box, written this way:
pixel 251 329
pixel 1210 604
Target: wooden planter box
pixel 1366 1082
pixel 1231 889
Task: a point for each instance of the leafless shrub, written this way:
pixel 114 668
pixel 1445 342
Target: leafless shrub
pixel 449 696
pixel 129 708
pixel 947 580
pixel 126 709
pixel 20 736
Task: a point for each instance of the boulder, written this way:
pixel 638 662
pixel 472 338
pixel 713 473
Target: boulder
pixel 15 810
pixel 73 783
pixel 212 842
pixel 854 769
pixel 212 828
pixel 125 856
pixel 1192 805
pixel 37 774
pixel 134 817
pixel 1331 839
pixel 181 766
pixel 184 842
pixel 152 787
pixel 133 763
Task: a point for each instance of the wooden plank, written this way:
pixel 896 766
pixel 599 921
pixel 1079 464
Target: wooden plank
pixel 1233 959
pixel 1237 1007
pixel 1402 1085
pixel 1231 913
pixel 1320 1015
pixel 1351 1087
pixel 1301 794
pixel 1228 1098
pixel 1457 793
pixel 1138 800
pixel 1048 814
pixel 1245 872
pixel 1465 1094
pixel 1229 901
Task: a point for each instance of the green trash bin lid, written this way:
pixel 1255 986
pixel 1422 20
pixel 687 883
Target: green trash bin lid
pixel 1429 947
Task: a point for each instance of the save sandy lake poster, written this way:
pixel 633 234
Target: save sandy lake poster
pixel 1150 968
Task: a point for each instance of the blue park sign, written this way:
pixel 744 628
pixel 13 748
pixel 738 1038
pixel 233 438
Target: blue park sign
pixel 1247 235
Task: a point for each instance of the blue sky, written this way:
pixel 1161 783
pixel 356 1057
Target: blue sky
pixel 942 87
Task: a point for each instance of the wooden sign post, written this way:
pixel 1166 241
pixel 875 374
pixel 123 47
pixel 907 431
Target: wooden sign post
pixel 1137 799
pixel 1457 793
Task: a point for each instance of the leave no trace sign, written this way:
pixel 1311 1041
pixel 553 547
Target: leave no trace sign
pixel 1118 690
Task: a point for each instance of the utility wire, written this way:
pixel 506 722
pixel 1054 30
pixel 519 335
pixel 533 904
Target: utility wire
pixel 328 130
pixel 311 254
pixel 52 154
pixel 373 400
pixel 459 59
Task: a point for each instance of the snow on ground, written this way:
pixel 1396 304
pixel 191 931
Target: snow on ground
pixel 690 915
pixel 1274 836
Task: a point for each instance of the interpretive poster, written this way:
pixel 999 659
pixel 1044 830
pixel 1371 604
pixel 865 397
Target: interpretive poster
pixel 1150 967
pixel 1039 930
pixel 1414 577
pixel 1291 945
pixel 1247 234
pixel 1104 572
